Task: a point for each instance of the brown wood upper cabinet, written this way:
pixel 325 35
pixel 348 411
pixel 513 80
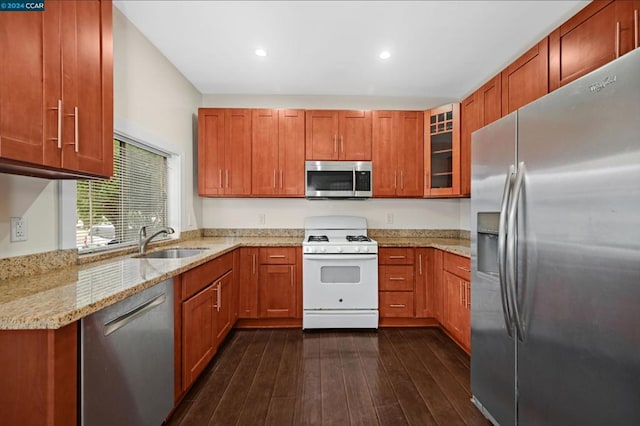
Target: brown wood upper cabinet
pixel 596 35
pixel 224 152
pixel 338 135
pixel 397 153
pixel 277 152
pixel 526 79
pixel 482 107
pixel 442 151
pixel 56 91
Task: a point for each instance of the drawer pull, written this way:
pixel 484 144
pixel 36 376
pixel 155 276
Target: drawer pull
pixel 464 269
pixel 396 279
pixel 397 305
pixel 396 257
pixel 277 256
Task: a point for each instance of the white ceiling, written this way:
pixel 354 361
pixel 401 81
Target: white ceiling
pixel 439 49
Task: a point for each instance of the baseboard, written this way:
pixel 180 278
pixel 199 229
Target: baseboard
pixel 408 322
pixel 269 323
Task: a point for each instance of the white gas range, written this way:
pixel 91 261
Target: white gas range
pixel 340 273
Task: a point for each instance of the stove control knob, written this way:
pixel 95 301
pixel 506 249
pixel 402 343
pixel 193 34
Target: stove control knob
pixel 322 249
pixel 339 249
pixel 356 249
pixel 365 249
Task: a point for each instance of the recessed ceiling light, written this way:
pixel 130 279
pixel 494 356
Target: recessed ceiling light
pixel 385 54
pixel 261 52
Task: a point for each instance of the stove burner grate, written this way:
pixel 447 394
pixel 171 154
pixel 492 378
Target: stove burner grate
pixel 358 238
pixel 318 238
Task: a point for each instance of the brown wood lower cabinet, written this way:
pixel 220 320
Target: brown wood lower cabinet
pixel 270 287
pixel 425 286
pixel 39 376
pixel 457 306
pixel 206 317
pixel 396 283
pixel 198 340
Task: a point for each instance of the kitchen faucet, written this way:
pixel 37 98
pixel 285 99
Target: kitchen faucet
pixel 143 240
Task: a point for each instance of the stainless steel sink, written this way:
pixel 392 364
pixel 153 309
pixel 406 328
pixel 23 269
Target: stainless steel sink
pixel 172 253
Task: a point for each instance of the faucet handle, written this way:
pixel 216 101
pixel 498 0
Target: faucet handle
pixel 143 231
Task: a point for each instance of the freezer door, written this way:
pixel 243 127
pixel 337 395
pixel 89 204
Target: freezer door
pixel 493 352
pixel 579 235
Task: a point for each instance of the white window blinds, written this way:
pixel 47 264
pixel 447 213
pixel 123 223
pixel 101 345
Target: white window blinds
pixel 110 213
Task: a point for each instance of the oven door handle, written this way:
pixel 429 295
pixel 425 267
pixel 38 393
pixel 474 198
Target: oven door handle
pixel 340 257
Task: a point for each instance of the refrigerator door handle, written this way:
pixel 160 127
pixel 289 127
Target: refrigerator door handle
pixel 502 236
pixel 512 243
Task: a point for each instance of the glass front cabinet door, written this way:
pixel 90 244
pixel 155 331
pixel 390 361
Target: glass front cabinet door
pixel 442 151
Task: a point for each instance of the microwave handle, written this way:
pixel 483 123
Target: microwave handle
pixel 353 181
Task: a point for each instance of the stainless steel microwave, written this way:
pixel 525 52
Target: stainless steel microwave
pixel 338 179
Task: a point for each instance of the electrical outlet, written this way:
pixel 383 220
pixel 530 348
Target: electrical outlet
pixel 262 218
pixel 389 218
pixel 18 229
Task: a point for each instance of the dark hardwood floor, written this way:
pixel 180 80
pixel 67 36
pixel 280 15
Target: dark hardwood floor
pixel 289 377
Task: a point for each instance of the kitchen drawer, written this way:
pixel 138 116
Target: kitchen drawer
pixel 396 256
pixel 458 265
pixel 278 256
pixel 198 278
pixel 396 304
pixel 395 277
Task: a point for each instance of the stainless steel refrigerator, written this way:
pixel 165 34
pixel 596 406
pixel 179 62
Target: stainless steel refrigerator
pixel 555 254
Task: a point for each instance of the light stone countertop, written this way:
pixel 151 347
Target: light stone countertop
pixel 58 298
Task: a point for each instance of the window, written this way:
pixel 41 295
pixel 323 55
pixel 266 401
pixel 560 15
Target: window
pixel 110 213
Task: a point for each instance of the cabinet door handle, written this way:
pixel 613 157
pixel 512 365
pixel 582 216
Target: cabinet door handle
pixel 335 143
pixel 401 179
pixel 396 278
pixel 218 297
pixel 77 132
pixel 617 39
pixel 274 178
pixel 342 144
pixel 220 178
pixel 397 305
pixel 468 287
pixel 395 179
pixel 464 269
pixel 226 178
pixel 59 121
pixel 460 292
pixel 396 257
pixel 253 263
pixel 292 275
pixel 277 256
pixel 281 179
pixel 75 125
pixel 635 28
pixel 420 262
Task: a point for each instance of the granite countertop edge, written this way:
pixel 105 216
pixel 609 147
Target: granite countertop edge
pixel 55 299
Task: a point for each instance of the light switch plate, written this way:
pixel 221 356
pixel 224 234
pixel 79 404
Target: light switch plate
pixel 18 229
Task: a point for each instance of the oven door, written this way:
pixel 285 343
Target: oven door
pixel 340 281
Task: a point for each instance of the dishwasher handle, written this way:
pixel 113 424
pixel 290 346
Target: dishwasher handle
pixel 124 319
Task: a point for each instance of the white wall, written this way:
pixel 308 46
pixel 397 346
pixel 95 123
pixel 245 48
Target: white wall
pixel 322 102
pixel 154 103
pixel 465 212
pixel 35 200
pixel 289 213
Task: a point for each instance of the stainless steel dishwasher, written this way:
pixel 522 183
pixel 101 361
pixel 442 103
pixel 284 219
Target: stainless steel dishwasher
pixel 127 360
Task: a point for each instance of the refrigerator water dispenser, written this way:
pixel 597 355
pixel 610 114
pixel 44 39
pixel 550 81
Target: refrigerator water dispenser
pixel 488 242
